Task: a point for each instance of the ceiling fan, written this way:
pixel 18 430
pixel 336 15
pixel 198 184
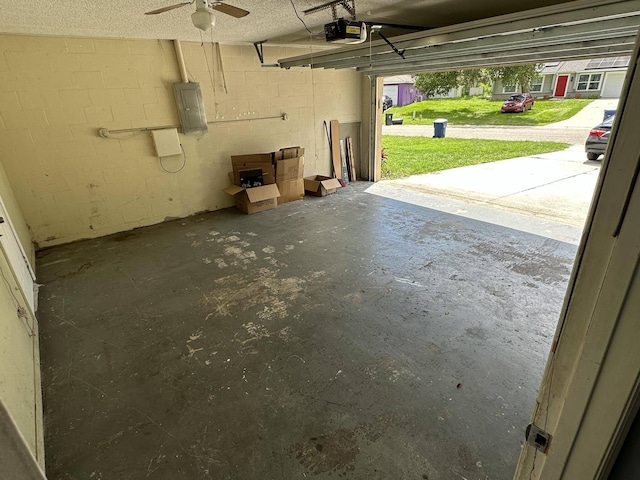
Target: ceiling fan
pixel 203 17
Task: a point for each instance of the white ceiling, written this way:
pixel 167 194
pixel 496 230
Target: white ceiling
pixel 272 20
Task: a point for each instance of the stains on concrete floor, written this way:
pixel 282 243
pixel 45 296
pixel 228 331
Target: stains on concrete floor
pixel 351 337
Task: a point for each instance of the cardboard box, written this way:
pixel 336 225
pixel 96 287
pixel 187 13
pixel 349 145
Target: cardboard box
pixel 289 179
pixel 289 169
pixel 288 152
pixel 253 162
pixel 320 186
pixel 290 191
pixel 253 200
pixel 283 168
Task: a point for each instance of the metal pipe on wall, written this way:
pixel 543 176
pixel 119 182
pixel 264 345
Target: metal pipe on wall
pixel 180 58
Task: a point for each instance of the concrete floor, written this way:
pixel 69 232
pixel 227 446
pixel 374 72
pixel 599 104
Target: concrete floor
pixel 353 336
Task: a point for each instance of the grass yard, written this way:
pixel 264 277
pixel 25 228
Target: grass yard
pixel 478 111
pixel 415 155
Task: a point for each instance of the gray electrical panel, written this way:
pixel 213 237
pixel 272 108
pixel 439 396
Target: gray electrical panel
pixel 193 118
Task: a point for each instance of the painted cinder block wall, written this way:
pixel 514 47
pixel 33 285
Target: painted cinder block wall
pixel 56 92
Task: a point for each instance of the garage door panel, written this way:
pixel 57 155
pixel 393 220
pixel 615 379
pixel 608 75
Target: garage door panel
pixel 613 84
pixel 391 91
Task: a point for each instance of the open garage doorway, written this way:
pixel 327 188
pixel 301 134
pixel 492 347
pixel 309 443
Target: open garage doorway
pixel 549 195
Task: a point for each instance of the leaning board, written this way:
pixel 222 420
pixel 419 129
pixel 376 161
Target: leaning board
pixel 335 148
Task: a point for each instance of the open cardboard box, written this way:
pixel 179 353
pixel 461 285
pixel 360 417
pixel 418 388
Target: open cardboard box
pixel 256 199
pixel 320 186
pixel 254 161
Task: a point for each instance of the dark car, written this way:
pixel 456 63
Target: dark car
pixel 387 102
pixel 598 138
pixel 518 103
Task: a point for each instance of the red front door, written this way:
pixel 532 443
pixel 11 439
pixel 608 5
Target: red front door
pixel 561 86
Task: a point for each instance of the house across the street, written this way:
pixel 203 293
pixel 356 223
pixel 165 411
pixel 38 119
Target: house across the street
pixel 401 90
pixel 590 78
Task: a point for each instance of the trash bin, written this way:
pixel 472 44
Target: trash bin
pixel 608 113
pixel 439 127
pixel 388 118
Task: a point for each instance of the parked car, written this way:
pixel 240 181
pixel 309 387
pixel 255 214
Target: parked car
pixel 598 138
pixel 518 103
pixel 387 102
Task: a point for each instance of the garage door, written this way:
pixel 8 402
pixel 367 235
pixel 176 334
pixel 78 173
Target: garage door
pixel 391 91
pixel 613 84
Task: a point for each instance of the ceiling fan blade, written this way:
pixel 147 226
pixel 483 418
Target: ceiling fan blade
pixel 166 9
pixel 230 10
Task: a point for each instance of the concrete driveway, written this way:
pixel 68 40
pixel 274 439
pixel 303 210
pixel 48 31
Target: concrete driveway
pixel 556 188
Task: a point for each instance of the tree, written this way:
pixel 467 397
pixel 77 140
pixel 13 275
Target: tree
pixel 473 78
pixel 440 83
pixel 436 83
pixel 521 75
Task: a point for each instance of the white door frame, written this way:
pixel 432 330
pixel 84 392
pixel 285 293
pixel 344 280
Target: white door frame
pixel 17 258
pixel 591 384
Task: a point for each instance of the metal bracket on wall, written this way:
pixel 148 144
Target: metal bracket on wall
pixel 258 47
pixel 260 52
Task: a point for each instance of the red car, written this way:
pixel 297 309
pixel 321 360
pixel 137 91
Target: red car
pixel 518 103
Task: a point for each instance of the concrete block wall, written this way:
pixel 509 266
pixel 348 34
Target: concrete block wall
pixel 56 92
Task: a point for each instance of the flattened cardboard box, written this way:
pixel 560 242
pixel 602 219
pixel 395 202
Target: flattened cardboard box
pixel 289 169
pixel 289 179
pixel 253 200
pixel 320 186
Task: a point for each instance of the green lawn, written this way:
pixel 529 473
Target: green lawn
pixel 478 111
pixel 414 155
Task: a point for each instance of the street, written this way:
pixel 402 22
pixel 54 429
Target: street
pixel 573 136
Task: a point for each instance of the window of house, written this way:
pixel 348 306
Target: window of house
pixel 509 89
pixel 536 84
pixel 589 81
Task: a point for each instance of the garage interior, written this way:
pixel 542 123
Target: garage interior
pixel 350 335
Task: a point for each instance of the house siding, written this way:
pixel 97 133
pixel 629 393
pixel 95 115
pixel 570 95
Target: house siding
pixel 549 83
pixel 407 94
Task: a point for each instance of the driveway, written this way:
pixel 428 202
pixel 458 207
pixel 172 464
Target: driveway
pixel 555 186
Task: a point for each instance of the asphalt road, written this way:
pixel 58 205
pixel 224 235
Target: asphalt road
pixel 573 136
